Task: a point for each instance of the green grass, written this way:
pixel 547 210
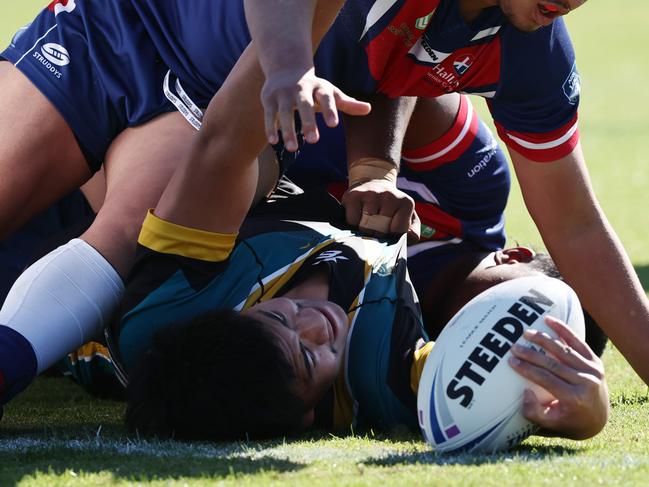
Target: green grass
pixel 55 434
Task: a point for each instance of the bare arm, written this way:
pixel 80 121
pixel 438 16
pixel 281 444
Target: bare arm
pixel 587 251
pixel 284 28
pixel 374 145
pixel 381 133
pixel 222 172
pixel 214 188
pixel 287 33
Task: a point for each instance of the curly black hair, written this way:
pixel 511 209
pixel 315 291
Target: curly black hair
pixel 220 376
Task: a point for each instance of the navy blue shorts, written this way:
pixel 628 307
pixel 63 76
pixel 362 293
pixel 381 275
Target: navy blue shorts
pixel 96 66
pixel 103 64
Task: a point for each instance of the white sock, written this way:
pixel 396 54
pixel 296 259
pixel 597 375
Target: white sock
pixel 62 301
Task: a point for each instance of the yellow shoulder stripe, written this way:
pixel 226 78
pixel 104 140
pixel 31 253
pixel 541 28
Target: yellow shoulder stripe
pixel 169 238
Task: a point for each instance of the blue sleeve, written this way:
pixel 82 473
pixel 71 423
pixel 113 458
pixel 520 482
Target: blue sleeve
pixel 535 108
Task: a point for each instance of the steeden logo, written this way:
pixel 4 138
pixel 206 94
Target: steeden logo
pixel 56 54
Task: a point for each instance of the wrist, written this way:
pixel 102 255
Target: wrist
pixel 368 169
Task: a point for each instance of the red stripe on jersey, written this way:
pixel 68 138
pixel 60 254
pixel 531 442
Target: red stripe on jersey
pixel 545 147
pixel 398 74
pixel 450 146
pixel 391 46
pixel 444 224
pixel 52 5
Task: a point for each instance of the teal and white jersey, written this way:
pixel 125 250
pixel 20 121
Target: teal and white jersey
pixel 181 273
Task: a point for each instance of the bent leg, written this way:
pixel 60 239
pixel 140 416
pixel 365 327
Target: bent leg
pixel 138 166
pixel 66 299
pixel 40 159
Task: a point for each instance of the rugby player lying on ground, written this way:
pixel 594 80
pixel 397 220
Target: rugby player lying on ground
pixel 461 221
pixel 292 278
pixel 330 333
pixel 72 316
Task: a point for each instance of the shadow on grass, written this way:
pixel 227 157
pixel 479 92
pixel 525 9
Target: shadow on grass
pixel 139 462
pixel 523 452
pixel 643 274
pixel 55 427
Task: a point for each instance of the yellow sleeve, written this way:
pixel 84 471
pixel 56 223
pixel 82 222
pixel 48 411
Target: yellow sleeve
pixel 169 238
pixel 418 362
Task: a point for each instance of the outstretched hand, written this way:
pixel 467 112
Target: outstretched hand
pixel 572 373
pixel 290 90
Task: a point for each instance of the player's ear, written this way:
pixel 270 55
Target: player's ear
pixel 514 255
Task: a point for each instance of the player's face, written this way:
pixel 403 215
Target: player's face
pixel 313 335
pixel 529 15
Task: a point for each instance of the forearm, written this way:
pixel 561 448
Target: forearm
pixel 593 261
pixel 283 28
pixel 587 251
pixel 374 143
pixel 221 173
pixel 289 30
pixel 380 134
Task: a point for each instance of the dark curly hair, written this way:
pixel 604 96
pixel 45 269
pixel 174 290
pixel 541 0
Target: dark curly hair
pixel 220 376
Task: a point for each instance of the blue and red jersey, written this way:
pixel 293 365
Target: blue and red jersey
pixel 424 48
pixel 396 47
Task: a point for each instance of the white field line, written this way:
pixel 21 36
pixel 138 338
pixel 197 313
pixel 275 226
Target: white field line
pixel 152 448
pixel 304 453
pixel 170 449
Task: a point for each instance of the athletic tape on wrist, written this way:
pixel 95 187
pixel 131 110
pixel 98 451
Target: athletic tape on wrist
pixel 368 168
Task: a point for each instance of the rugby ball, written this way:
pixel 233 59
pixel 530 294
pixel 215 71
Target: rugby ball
pixel 469 398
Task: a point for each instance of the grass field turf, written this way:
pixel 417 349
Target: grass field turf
pixel 55 434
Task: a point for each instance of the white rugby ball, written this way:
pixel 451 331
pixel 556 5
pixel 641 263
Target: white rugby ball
pixel 469 398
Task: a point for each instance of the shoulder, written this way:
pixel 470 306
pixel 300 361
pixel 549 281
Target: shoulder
pixel 535 108
pixel 538 61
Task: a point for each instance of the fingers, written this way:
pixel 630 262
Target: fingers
pixel 305 107
pixel 536 411
pixel 378 208
pixel 327 102
pixel 569 337
pixel 269 125
pixel 353 208
pixel 402 213
pixel 542 370
pixel 351 106
pixel 414 232
pixel 283 94
pixel 287 126
pixel 554 365
pixel 565 367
